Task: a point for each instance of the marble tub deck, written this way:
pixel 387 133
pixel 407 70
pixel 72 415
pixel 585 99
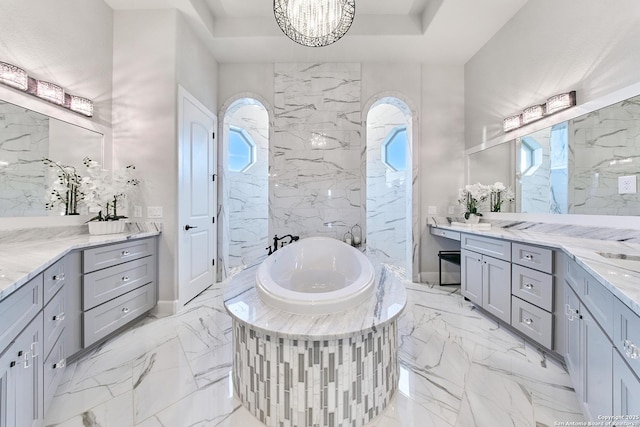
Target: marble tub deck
pixel 457 368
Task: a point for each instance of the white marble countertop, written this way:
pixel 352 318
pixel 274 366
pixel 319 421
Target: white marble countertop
pixel 244 305
pixel 620 276
pixel 24 259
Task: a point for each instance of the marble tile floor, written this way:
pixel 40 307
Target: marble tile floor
pixel 458 368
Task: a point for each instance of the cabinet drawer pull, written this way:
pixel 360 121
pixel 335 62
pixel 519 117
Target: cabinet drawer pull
pixel 59 317
pixel 125 310
pixel 528 321
pixel 528 286
pixel 443 233
pixel 59 365
pixel 126 253
pixel 125 278
pixel 631 350
pixel 528 257
pixel 34 348
pixel 571 313
pixel 27 360
pixel 58 277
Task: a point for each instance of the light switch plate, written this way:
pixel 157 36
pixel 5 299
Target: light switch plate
pixel 627 184
pixel 451 210
pixel 432 210
pixel 137 211
pixel 154 212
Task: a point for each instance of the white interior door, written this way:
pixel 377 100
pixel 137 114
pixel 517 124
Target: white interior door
pixel 197 196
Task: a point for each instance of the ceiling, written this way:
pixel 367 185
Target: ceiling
pixel 425 31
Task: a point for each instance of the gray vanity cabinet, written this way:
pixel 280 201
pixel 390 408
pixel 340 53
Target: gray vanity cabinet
pixel 626 389
pixel 486 274
pixel 589 350
pixel 21 378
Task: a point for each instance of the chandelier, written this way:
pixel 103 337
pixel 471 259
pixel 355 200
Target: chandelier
pixel 314 23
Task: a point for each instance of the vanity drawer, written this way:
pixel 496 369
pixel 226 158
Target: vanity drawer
pixel 54 321
pixel 626 334
pixel 18 309
pixel 104 285
pixel 532 321
pixel 447 234
pixel 533 257
pixel 53 369
pixel 54 279
pixel 532 286
pixel 110 255
pixel 595 297
pixel 106 318
pixel 496 248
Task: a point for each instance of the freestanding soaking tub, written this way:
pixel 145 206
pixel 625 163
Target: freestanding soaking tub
pixel 315 330
pixel 316 275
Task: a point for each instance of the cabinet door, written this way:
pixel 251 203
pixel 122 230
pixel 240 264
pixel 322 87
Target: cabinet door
pixel 597 357
pixel 8 366
pixel 626 390
pixel 571 322
pixel 72 334
pixel 496 288
pixel 471 276
pixel 27 379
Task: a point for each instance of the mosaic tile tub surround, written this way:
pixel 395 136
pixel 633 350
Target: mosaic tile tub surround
pixel 294 370
pixel 339 382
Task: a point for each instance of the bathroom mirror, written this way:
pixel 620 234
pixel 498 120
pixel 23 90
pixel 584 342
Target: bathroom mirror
pixel 28 136
pixel 571 167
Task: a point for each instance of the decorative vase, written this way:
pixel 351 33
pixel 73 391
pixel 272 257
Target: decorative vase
pixel 106 227
pixel 473 219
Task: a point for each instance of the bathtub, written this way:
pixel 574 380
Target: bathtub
pixel 316 275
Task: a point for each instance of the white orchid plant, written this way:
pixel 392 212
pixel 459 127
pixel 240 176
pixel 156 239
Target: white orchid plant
pixel 103 191
pixel 499 194
pixel 65 191
pixel 470 197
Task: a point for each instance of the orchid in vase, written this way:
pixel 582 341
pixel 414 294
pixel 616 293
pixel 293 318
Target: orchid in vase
pixel 471 196
pixel 499 194
pixel 105 191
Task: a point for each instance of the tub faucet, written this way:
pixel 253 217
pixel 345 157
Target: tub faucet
pixel 276 239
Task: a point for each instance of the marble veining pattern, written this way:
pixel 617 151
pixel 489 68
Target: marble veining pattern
pixel 315 185
pixel 26 253
pixel 457 368
pixel 24 142
pixel 604 146
pixel 244 305
pixel 620 276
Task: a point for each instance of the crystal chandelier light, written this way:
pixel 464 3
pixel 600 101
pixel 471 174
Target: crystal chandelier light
pixel 314 23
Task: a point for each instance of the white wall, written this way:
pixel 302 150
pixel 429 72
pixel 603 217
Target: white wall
pixel 550 47
pixel 67 42
pixel 145 114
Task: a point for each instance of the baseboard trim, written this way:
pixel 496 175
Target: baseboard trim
pixel 166 308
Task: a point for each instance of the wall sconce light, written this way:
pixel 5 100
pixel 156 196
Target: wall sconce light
pixel 13 76
pixel 511 123
pixel 561 102
pixel 50 92
pixel 536 112
pixel 533 113
pixel 18 78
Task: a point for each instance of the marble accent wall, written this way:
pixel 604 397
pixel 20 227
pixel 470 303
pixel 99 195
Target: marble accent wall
pixel 388 191
pixel 604 146
pixel 342 382
pixel 316 170
pixel 247 191
pixel 24 142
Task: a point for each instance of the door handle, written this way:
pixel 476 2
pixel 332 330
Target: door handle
pixel 189 227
